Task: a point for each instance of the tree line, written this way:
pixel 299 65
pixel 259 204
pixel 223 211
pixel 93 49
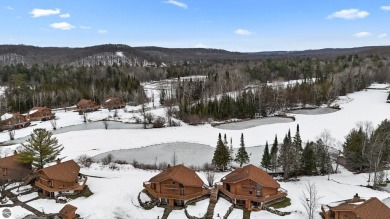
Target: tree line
pixel 62 86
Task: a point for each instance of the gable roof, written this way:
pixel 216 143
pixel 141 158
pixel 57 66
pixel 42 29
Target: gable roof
pixel 181 174
pixel 37 109
pixel 15 169
pixel 253 173
pixel 369 209
pixel 373 208
pixel 66 171
pixel 113 99
pixel 68 209
pixel 84 102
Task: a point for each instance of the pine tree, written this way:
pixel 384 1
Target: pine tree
pixel 266 160
pixel 231 151
pixel 274 154
pixel 297 152
pixel 285 156
pixel 308 159
pixel 41 148
pixel 242 156
pixel 225 140
pixel 221 155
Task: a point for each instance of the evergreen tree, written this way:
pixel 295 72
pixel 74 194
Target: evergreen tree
pixel 231 151
pixel 221 155
pixel 354 151
pixel 242 156
pixel 266 160
pixel 286 156
pixel 274 154
pixel 225 142
pixel 41 148
pixel 297 152
pixel 308 159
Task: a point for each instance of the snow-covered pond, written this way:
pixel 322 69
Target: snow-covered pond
pixel 186 153
pixel 85 126
pixel 254 123
pixel 317 111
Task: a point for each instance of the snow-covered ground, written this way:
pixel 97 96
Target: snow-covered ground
pixel 121 187
pixel 199 209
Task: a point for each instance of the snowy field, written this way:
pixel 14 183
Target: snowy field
pixel 121 187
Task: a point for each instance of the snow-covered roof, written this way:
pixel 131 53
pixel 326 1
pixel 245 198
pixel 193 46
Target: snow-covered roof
pixel 6 116
pixel 32 111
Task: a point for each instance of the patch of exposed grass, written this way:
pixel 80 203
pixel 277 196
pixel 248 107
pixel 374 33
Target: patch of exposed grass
pixel 86 192
pixel 282 204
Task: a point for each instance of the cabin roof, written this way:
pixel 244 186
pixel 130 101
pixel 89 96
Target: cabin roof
pixel 366 209
pixel 65 171
pixel 36 109
pixel 68 209
pixel 253 173
pixel 181 174
pixel 83 102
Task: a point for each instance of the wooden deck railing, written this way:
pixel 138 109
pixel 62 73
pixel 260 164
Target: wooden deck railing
pixel 76 187
pixel 279 195
pixel 176 197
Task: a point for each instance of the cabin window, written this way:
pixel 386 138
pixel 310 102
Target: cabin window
pixel 173 182
pixel 250 192
pixel 250 182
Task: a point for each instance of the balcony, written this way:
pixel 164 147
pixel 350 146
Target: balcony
pixel 281 194
pixel 175 197
pixel 75 187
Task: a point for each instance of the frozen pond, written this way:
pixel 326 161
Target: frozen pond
pixel 254 122
pixel 84 126
pixel 187 153
pixel 316 111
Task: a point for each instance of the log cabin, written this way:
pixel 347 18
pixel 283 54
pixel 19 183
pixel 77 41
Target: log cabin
pixel 114 103
pixel 356 208
pixel 86 106
pixel 38 113
pixel 176 186
pixel 14 121
pixel 63 177
pixel 11 170
pixel 251 187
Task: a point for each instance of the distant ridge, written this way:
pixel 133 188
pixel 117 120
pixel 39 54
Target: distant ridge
pixel 145 56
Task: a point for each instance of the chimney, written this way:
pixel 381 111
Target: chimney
pixel 58 161
pixel 356 198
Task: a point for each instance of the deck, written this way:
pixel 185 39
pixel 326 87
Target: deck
pixel 176 197
pixel 279 195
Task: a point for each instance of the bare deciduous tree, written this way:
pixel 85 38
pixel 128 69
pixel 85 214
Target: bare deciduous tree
pixel 310 199
pixel 53 123
pixel 210 177
pixel 11 133
pixel 105 123
pixel 174 158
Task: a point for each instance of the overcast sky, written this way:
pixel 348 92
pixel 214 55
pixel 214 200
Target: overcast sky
pixel 235 25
